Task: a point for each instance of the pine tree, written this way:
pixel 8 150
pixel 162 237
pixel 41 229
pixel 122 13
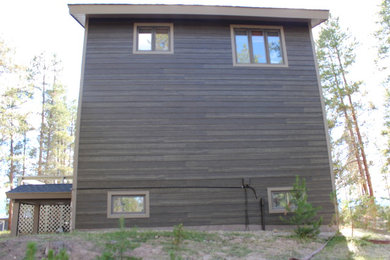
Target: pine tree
pixel 56 118
pixel 14 93
pixel 336 55
pixel 383 35
pixel 304 215
pixel 58 139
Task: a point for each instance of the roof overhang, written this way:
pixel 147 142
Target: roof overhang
pixel 81 11
pixel 39 195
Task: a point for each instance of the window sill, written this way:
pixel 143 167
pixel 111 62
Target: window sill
pixel 260 65
pixel 152 52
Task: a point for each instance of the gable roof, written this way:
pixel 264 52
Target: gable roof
pixel 81 11
pixel 47 191
pixel 42 188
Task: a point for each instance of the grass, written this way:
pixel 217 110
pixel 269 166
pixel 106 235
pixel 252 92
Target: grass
pixel 150 244
pixel 344 246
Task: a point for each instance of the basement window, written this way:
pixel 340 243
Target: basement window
pixel 152 38
pixel 258 46
pixel 128 204
pixel 279 198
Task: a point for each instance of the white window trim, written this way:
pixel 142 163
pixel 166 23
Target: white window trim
pixel 273 189
pixel 145 214
pixel 282 40
pixel 135 36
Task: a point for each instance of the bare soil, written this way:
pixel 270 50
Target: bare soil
pixel 142 244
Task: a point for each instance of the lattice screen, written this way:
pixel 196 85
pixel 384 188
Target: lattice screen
pixel 26 219
pixel 54 218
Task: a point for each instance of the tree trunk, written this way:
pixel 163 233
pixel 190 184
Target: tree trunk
pixel 11 177
pixel 357 129
pixel 48 148
pixel 361 146
pixel 40 157
pixel 24 152
pixel 350 130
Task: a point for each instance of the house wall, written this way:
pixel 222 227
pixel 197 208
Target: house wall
pixel 191 119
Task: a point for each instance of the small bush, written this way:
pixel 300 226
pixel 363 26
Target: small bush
pixel 178 235
pixel 119 243
pixel 305 215
pixel 30 251
pixel 62 255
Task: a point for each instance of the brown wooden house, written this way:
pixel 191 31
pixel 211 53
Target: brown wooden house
pixel 196 115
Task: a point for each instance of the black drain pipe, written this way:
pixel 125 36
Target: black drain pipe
pixel 261 202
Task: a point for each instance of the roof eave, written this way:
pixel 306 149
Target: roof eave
pixel 39 195
pixel 81 11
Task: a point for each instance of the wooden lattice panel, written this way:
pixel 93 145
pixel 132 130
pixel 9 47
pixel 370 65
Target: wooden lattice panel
pixel 54 218
pixel 26 219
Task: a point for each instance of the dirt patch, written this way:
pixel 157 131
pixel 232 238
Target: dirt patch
pixel 150 245
pixel 148 252
pixel 76 248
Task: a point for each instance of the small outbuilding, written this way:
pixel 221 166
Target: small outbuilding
pixel 43 208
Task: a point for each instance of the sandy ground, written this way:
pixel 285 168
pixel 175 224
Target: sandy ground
pixel 255 245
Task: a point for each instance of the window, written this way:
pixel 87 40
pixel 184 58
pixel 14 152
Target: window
pixel 128 204
pixel 153 38
pixel 258 46
pixel 279 198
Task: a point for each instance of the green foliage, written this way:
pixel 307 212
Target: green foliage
pixel 383 34
pixel 57 117
pixel 15 93
pixel 62 255
pixel 32 249
pixel 363 212
pixel 305 215
pixel 30 252
pixel 119 243
pixel 173 255
pixel 336 55
pixel 178 235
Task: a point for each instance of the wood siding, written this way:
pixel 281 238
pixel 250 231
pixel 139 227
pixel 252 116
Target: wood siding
pixel 191 119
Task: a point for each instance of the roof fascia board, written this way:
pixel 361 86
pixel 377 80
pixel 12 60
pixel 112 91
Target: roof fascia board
pixel 39 195
pixel 80 11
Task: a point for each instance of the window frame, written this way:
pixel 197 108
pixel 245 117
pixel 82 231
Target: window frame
pixel 135 38
pixel 277 189
pixel 259 27
pixel 145 214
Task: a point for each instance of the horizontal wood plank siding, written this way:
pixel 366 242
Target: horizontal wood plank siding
pixel 161 122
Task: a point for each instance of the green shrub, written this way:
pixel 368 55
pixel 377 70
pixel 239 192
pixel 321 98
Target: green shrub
pixel 119 243
pixel 62 255
pixel 304 215
pixel 30 251
pixel 178 235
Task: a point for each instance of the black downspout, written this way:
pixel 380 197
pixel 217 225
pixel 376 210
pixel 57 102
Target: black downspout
pixel 261 204
pixel 246 210
pixel 262 214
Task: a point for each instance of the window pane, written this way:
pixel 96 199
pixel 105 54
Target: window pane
pixel 128 204
pixel 144 39
pixel 274 48
pixel 162 39
pixel 279 200
pixel 258 46
pixel 242 47
pixel 291 201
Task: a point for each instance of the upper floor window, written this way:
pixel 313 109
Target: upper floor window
pixel 153 38
pixel 258 45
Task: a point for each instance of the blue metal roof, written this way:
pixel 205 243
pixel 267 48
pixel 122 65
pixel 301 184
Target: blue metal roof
pixel 42 188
